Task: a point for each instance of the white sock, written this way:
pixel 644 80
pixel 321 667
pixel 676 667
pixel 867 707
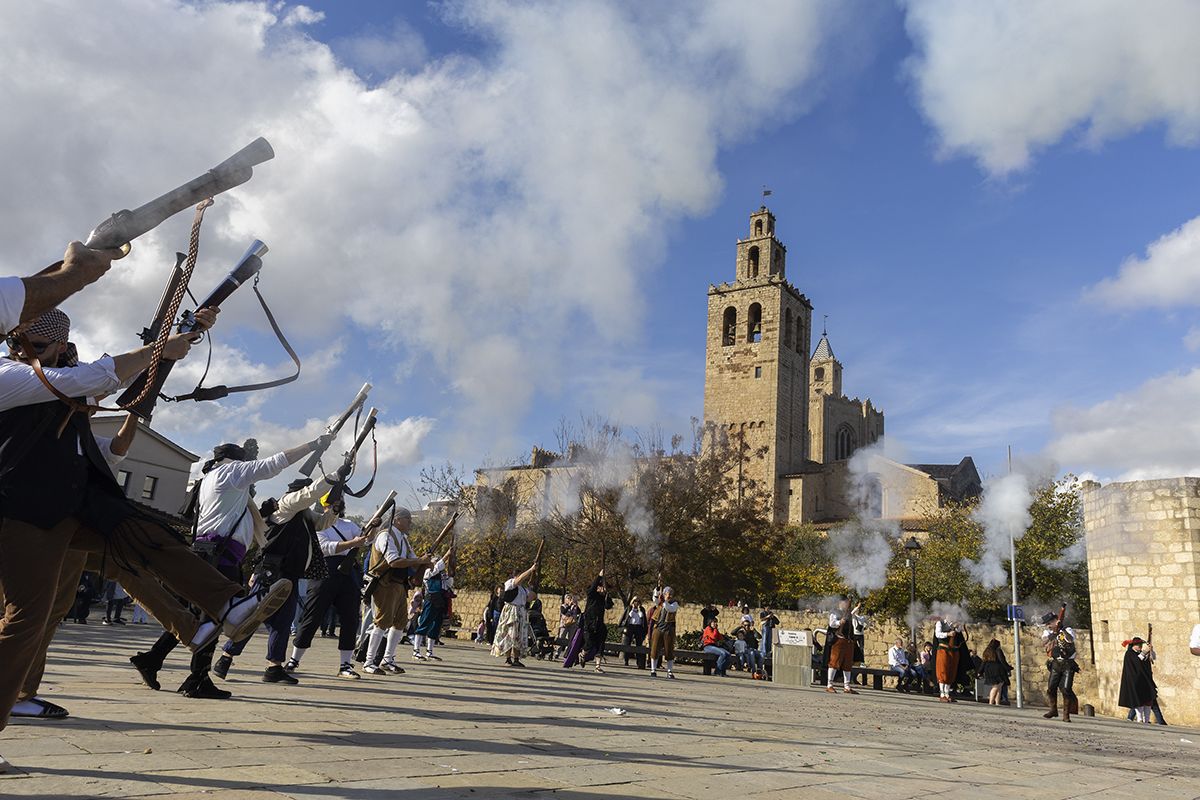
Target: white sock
pixel 830 678
pixel 373 648
pixel 429 640
pixel 671 665
pixel 347 656
pixel 242 610
pixel 26 707
pixel 845 679
pixel 416 640
pixel 298 653
pixel 203 632
pixel 393 639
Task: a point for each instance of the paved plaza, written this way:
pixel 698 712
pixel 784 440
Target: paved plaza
pixel 471 727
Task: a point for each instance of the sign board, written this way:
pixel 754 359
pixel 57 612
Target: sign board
pixel 803 638
pixel 1016 614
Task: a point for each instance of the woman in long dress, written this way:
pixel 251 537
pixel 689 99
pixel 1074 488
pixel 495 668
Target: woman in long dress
pixel 513 632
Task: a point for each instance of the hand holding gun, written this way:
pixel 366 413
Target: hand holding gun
pixel 334 428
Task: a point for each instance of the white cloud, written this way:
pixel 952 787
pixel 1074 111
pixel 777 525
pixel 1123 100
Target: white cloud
pixel 472 220
pixel 383 53
pixel 1002 79
pixel 1167 276
pixel 1150 432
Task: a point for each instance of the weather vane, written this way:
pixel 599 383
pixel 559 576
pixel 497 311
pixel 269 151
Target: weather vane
pixel 766 192
pixel 825 326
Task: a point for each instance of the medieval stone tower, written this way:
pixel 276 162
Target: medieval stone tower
pixel 757 360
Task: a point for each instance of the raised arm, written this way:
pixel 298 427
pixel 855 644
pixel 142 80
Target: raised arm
pixel 80 266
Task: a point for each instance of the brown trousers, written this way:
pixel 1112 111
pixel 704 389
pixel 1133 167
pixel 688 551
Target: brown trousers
pixel 662 643
pixel 32 562
pixel 391 605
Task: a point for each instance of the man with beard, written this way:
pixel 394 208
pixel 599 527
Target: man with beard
pixel 392 557
pixel 227 524
pixel 58 493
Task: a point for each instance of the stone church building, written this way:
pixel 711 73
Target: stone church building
pixel 765 387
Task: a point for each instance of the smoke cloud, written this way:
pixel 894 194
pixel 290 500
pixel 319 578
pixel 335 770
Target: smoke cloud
pixel 1003 512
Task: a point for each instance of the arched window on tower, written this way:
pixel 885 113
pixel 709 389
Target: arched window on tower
pixel 758 227
pixel 729 327
pixel 819 374
pixel 787 327
pixel 845 442
pixel 753 259
pixel 754 323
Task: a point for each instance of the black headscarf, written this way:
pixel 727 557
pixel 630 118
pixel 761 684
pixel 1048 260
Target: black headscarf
pixel 234 452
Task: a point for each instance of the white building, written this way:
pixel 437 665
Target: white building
pixel 155 472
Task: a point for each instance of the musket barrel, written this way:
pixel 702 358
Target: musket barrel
pixel 125 226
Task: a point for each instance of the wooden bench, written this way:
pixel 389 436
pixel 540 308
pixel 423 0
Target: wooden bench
pixel 708 661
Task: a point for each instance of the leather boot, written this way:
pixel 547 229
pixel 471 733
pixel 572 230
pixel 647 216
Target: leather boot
pixel 1066 712
pixel 1053 712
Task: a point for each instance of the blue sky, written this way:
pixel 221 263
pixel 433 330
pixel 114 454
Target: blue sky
pixel 949 188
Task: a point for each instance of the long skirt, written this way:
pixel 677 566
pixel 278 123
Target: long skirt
pixel 947 666
pixel 574 648
pixel 512 632
pixel 841 655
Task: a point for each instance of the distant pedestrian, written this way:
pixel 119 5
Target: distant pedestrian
pixel 634 634
pixel 994 671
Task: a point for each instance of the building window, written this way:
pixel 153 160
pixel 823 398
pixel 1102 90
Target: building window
pixel 801 347
pixel 729 327
pixel 753 257
pixel 819 374
pixel 845 442
pixel 787 327
pixel 123 480
pixel 148 487
pixel 754 323
pixel 758 372
pixel 758 227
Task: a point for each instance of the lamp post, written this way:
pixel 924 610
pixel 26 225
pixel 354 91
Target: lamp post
pixel 912 547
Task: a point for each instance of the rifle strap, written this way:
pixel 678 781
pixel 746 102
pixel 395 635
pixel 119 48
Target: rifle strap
pixel 374 469
pixel 218 392
pixel 156 349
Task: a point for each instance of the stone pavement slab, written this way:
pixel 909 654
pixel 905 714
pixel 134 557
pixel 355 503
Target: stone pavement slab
pixel 469 727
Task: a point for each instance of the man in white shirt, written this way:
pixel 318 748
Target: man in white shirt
pixel 340 590
pixel 227 523
pixel 392 557
pixel 59 494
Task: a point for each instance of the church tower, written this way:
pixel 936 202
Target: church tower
pixel 757 361
pixel 838 425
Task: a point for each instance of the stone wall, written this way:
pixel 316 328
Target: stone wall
pixel 877 638
pixel 1143 549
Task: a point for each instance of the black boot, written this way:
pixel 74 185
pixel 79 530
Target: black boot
pixel 277 674
pixel 148 667
pixel 221 668
pixel 202 688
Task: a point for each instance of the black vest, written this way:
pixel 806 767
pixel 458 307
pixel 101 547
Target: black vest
pixel 43 477
pixel 293 543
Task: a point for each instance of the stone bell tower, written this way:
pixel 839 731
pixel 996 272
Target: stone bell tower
pixel 757 361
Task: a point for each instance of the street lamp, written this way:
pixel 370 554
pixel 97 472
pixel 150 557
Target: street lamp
pixel 911 548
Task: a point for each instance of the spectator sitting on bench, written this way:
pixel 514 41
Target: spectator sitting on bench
pixel 747 646
pixel 924 666
pixel 898 662
pixel 711 640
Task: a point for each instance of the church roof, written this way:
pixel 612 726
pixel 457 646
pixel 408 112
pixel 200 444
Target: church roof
pixel 959 481
pixel 823 352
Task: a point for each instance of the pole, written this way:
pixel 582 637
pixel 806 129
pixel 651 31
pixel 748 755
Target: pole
pixel 912 598
pixel 1012 569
